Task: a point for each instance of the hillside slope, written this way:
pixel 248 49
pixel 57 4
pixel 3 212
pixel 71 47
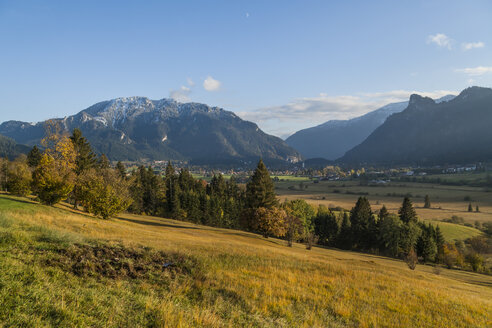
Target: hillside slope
pixel 426 132
pixel 214 278
pixel 10 149
pixel 135 128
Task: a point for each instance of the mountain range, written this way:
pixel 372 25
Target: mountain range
pixel 428 132
pixel 332 139
pixel 137 128
pixel 10 149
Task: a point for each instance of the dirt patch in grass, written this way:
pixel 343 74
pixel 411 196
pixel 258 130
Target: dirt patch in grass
pixel 119 261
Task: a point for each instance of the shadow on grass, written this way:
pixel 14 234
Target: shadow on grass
pixel 158 224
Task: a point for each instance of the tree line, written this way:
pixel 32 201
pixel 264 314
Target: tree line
pixel 68 169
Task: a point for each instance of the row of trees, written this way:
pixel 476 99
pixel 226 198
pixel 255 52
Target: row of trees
pixel 67 169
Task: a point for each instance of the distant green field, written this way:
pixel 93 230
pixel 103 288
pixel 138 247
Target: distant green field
pixel 290 178
pixel 452 231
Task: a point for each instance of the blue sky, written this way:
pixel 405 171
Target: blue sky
pixel 284 64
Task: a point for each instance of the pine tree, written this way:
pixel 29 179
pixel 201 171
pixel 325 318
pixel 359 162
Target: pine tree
pixel 477 209
pixel 103 162
pixel 260 191
pixel 383 213
pixel 407 212
pixel 427 203
pixel 345 235
pixel 440 241
pixel 33 157
pixel 363 224
pixel 470 207
pixel 120 168
pixel 85 157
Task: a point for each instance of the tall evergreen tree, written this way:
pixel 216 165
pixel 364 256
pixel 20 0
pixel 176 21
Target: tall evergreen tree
pixel 120 168
pixel 427 203
pixel 85 157
pixel 33 157
pixel 363 224
pixel 260 191
pixel 345 236
pixel 440 241
pixel 407 212
pixel 383 213
pixel 470 208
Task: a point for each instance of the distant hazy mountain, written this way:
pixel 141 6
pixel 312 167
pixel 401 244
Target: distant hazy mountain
pixel 332 139
pixel 9 148
pixel 426 132
pixel 135 128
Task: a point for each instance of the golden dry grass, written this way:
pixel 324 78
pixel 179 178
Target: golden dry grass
pixel 252 281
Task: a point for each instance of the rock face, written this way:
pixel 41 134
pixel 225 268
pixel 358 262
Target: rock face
pixel 332 139
pixel 138 128
pixel 427 132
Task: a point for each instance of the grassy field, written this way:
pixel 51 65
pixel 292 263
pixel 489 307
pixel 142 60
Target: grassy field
pixel 446 200
pixel 62 269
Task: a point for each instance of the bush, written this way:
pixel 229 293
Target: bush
pixel 411 259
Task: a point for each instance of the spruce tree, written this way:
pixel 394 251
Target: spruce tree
pixel 104 162
pixel 383 212
pixel 470 207
pixel 439 238
pixel 260 191
pixel 407 212
pixel 427 203
pixel 85 157
pixel 33 157
pixel 345 235
pixel 120 168
pixel 363 224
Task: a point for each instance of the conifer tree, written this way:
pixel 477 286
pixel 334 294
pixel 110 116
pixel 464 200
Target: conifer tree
pixel 383 212
pixel 407 212
pixel 440 241
pixel 363 223
pixel 427 203
pixel 120 168
pixel 103 162
pixel 470 207
pixel 33 157
pixel 345 235
pixel 260 191
pixel 85 159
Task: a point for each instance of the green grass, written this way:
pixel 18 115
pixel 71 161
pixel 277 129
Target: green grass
pixel 291 178
pixel 59 268
pixel 452 231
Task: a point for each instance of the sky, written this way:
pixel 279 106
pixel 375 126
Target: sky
pixel 285 65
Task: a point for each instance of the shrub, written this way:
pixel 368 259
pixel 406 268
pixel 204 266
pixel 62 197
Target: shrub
pixel 411 259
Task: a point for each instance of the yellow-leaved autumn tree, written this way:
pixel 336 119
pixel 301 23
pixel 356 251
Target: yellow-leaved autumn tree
pixel 54 177
pixel 103 192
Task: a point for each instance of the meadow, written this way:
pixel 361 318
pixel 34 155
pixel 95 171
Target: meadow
pixel 62 268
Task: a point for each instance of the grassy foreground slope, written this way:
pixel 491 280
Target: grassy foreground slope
pixel 59 268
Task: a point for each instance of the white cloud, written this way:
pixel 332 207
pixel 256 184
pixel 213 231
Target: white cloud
pixel 211 84
pixel 301 113
pixel 472 45
pixel 442 40
pixel 190 82
pixel 181 95
pixel 475 71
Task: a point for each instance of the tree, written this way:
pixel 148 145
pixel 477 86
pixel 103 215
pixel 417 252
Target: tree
pixel 294 229
pixel 311 240
pixel 104 162
pixel 54 177
pixel 427 203
pixel 477 209
pixel 344 239
pixel 407 212
pixel 19 177
pixel 440 241
pixel 260 191
pixel 475 261
pixel 270 221
pixel 427 245
pixel 390 234
pixel 411 259
pixel 4 165
pixel 305 212
pixel 383 213
pixel 33 157
pixel 362 224
pixel 410 233
pixel 470 207
pixel 172 191
pixel 120 168
pixel 85 159
pixel 104 192
pixel 147 191
pixel 326 226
